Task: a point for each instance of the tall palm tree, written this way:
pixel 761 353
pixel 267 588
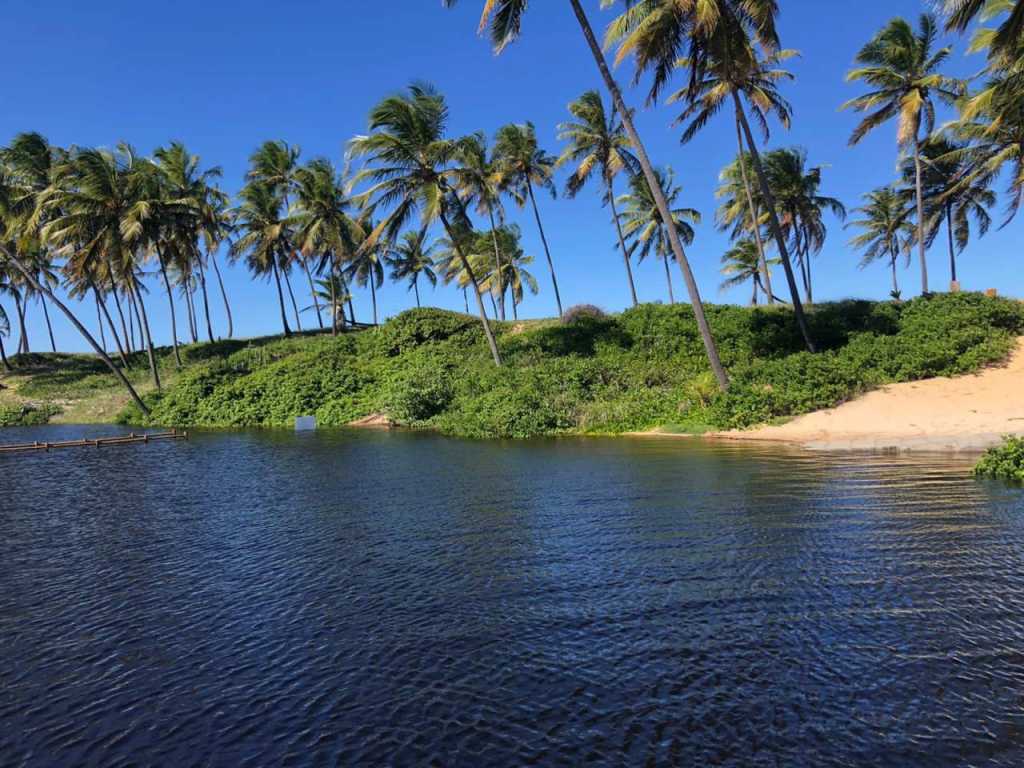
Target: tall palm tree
pixel 952 200
pixel 730 50
pixel 504 20
pixel 758 82
pixel 886 230
pixel 366 264
pixel 477 183
pixel 801 206
pixel 740 263
pixel 274 165
pixel 900 67
pixel 323 229
pixel 264 238
pixel 643 227
pixel 522 165
pixel 413 160
pixel 597 141
pixel 86 210
pixel 411 259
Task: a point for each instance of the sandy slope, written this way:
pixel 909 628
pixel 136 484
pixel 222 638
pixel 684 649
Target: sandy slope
pixel 965 413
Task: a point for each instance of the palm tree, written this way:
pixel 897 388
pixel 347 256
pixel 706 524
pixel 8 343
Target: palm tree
pixel 323 228
pixel 412 258
pixel 366 265
pixel 902 70
pixel 1003 42
pixel 740 263
pixel 730 49
pixel 476 179
pixel 86 210
pixel 264 240
pixel 215 228
pixel 645 230
pixel 952 200
pixel 801 207
pixel 598 141
pixel 333 291
pixel 274 165
pixel 413 173
pixel 886 230
pixel 5 330
pixel 504 18
pixel 522 165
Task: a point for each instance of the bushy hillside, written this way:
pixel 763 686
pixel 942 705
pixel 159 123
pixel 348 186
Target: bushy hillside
pixel 644 368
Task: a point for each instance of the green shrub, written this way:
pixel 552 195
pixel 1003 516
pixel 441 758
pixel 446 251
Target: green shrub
pixel 1004 462
pixel 27 415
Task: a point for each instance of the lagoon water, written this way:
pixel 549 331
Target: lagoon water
pixel 344 598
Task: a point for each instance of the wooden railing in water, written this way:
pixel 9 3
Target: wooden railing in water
pixel 99 442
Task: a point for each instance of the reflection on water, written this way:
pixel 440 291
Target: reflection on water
pixel 383 598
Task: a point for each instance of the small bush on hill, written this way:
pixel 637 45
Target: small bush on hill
pixel 1004 462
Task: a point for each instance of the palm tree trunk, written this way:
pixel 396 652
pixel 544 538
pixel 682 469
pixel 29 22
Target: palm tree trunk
pixel 280 298
pixel 801 260
pixel 190 314
pixel 547 251
pixel 206 299
pixel 668 279
pixel 373 297
pixel 334 299
pixel 117 302
pixel 920 216
pixel 99 323
pixel 81 329
pixel 102 305
pixel 515 308
pixel 137 329
pixel 170 302
pixel 3 357
pixel 952 251
pixel 416 290
pixel 465 299
pixel 291 295
pixel 895 284
pixel 144 334
pixel 773 221
pixel 312 290
pixel 476 289
pixel 753 297
pixel 224 295
pixel 49 326
pixel 622 242
pixel 659 194
pixel 755 218
pixel 23 333
pixel 497 264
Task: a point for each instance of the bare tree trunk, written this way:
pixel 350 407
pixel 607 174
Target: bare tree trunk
pixel 102 305
pixel 190 315
pixel 170 302
pixel 659 194
pixel 312 290
pixel 547 251
pixel 416 290
pixel 291 294
pixel 949 232
pixel 497 264
pixel 465 299
pixel 147 337
pixel 920 216
pixel 668 279
pixel 373 296
pixel 895 284
pixel 224 295
pixel 280 299
pixel 3 357
pixel 81 329
pixel 755 218
pixel 19 309
pixel 773 221
pixel 622 242
pixel 753 297
pixel 49 326
pixel 117 303
pixel 99 322
pixel 476 289
pixel 138 320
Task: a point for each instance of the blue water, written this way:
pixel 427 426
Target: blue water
pixel 265 599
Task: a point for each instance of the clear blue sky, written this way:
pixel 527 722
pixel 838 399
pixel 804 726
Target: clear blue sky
pixel 224 76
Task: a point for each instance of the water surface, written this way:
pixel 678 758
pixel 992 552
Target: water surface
pixel 264 598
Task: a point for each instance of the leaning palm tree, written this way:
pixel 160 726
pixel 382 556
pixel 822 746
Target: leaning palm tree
pixel 521 165
pixel 411 259
pixel 504 19
pixel 741 263
pixel 264 239
pixel 411 170
pixel 886 231
pixel 644 229
pixel 476 179
pixel 952 198
pixel 902 70
pixel 597 141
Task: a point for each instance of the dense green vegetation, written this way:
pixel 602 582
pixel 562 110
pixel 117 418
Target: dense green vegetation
pixel 1005 462
pixel 430 368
